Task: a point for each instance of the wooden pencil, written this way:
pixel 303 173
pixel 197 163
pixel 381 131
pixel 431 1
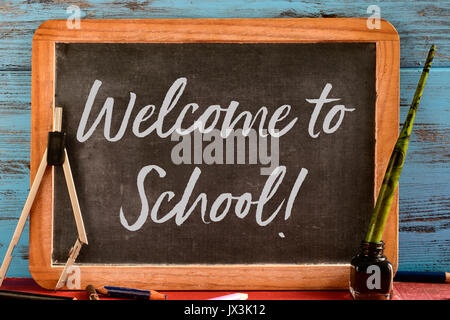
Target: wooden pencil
pixel 129 293
pixel 417 276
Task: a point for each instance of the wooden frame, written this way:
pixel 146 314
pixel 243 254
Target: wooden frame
pixel 203 277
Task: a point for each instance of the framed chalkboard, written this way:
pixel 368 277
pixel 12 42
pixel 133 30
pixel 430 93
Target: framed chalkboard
pixel 214 154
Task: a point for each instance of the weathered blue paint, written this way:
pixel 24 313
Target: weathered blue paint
pixel 425 180
pixel 424 205
pixel 419 23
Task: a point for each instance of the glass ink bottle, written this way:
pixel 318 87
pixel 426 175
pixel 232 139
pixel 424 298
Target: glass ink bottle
pixel 371 274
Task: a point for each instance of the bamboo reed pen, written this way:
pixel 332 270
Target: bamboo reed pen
pixel 395 165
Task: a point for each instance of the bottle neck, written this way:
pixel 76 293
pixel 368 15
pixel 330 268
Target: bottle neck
pixel 372 249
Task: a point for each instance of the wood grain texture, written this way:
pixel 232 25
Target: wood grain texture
pixel 425 180
pixel 215 30
pixel 207 277
pixel 419 23
pixel 15 132
pixel 424 185
pixel 388 73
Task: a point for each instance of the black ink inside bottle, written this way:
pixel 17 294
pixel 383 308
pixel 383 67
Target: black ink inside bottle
pixel 371 274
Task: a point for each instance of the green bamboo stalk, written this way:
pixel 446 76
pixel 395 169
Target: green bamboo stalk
pixel 395 165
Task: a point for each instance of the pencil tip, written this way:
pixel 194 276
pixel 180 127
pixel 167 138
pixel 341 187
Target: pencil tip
pixel 102 290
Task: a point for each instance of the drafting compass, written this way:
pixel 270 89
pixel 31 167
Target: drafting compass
pixel 54 155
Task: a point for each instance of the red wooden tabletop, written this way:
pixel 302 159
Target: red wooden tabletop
pixel 402 291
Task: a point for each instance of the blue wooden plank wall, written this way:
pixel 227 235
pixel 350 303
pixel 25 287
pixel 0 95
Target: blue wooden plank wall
pixel 425 181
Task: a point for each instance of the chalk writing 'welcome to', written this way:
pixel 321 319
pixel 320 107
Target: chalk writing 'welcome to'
pixel 146 122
